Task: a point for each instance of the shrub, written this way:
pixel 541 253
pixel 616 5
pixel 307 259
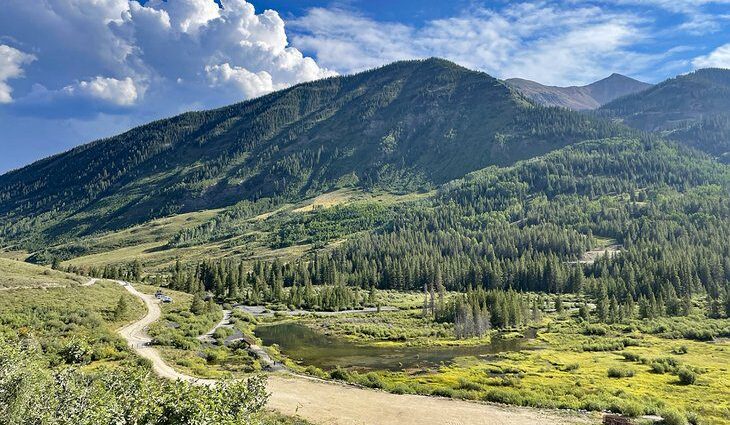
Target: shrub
pixel 619 372
pixel 686 376
pixel 595 330
pixel 341 374
pixel 372 380
pixel 77 352
pixel 510 381
pixel 632 357
pixel 315 371
pixel 465 384
pixel 443 392
pixel 682 349
pixel 673 417
pixel 505 396
pixel 628 408
pixel 658 367
pixel 402 389
pixel 570 367
pixel 693 418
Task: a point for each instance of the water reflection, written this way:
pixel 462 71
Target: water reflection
pixel 308 347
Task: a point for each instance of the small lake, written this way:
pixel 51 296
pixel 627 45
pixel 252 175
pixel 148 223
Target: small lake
pixel 308 347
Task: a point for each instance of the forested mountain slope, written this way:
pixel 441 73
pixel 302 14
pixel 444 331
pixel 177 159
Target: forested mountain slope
pixel 405 126
pixel 692 108
pixel 590 96
pixel 526 228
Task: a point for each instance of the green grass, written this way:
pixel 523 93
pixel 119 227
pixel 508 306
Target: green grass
pixel 74 325
pixel 148 242
pixel 640 368
pixel 17 274
pixel 561 374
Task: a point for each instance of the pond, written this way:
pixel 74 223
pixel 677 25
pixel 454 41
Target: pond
pixel 308 347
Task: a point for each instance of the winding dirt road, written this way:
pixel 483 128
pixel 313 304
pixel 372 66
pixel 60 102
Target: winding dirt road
pixel 329 403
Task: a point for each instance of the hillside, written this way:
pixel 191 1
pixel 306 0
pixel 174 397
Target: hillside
pixel 404 127
pixel 692 108
pixel 586 97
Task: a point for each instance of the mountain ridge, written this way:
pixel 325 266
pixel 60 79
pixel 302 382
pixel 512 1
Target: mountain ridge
pixel 586 97
pixel 692 108
pixel 406 126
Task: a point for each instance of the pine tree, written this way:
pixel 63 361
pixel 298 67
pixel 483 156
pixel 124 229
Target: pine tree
pixel 121 309
pixel 198 305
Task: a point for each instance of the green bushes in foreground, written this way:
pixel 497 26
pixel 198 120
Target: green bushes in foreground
pixel 34 395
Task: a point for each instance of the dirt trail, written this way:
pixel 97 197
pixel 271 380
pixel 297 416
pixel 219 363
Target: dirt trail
pixel 225 321
pixel 329 403
pixel 91 281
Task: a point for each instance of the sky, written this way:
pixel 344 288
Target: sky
pixel 72 71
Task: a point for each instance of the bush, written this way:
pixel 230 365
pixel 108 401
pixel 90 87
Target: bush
pixel 510 381
pixel 372 380
pixel 673 417
pixel 315 371
pixel 570 367
pixel 682 349
pixel 340 374
pixel 658 367
pixel 686 376
pixel 402 389
pixel 443 392
pixel 632 357
pixel 505 396
pixel 594 330
pixel 77 352
pixel 619 372
pixel 465 384
pixel 628 408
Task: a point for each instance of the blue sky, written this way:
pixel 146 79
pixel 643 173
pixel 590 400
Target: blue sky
pixel 75 71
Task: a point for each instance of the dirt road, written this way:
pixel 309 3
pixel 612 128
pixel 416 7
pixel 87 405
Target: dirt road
pixel 329 403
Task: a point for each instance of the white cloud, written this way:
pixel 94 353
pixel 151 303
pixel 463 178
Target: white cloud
pixel 699 17
pixel 11 66
pixel 718 58
pixel 249 83
pixel 163 56
pixel 549 42
pixel 118 92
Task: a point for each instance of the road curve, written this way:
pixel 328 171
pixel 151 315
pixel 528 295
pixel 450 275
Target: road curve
pixel 330 403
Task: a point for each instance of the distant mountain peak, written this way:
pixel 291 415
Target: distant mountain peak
pixel 692 108
pixel 590 96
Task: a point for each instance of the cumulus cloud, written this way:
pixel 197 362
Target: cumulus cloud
pixel 163 56
pixel 718 58
pixel 549 42
pixel 11 66
pixel 119 92
pixel 249 83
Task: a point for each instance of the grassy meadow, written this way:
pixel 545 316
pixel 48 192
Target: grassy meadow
pixel 637 368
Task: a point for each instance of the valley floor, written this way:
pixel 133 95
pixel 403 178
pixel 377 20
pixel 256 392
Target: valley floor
pixel 332 403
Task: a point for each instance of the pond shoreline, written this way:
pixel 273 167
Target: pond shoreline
pixel 309 347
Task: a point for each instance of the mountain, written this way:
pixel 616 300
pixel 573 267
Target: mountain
pixel 586 97
pixel 404 127
pixel 692 108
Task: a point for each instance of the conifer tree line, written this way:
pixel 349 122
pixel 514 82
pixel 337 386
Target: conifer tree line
pixel 477 311
pixel 523 229
pixel 314 285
